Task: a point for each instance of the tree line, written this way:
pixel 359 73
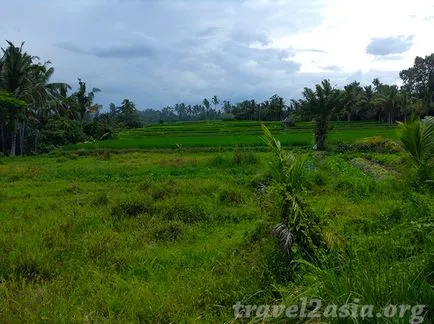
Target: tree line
pixel 37 114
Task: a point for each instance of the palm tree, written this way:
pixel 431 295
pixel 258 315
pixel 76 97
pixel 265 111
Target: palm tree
pixel 27 81
pixel 47 99
pixel 215 102
pixel 15 78
pixel 10 106
pixel 368 110
pixel 353 94
pixel 84 101
pixel 417 138
pixel 320 104
pixel 387 99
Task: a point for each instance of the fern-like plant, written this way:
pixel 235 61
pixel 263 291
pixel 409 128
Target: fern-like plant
pixel 298 228
pixel 417 139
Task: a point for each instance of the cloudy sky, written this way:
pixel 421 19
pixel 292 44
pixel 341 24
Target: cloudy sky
pixel 161 52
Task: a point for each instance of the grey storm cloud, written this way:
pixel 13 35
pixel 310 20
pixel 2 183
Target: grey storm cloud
pixel 389 45
pixel 157 53
pixel 125 52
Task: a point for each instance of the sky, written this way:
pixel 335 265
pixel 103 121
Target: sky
pixel 159 53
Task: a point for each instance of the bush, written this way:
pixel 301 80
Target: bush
pixel 59 132
pixel 187 211
pixel 101 199
pixel 243 157
pixel 231 197
pixel 170 232
pixel 132 208
pixel 376 144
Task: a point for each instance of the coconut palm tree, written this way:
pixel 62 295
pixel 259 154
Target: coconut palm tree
pixel 320 104
pixel 387 98
pixel 84 101
pixel 27 81
pixel 353 96
pixel 15 78
pixel 417 139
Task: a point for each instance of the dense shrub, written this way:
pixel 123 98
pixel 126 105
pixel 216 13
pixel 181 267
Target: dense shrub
pixel 60 132
pixel 99 130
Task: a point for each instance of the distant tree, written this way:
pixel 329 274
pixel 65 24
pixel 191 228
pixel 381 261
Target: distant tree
pixel 215 102
pixel 276 108
pixel 352 100
pixel 320 104
pixel 84 101
pixel 227 107
pixel 113 109
pixel 419 80
pixel 206 103
pixel 128 111
pixel 368 108
pixel 387 99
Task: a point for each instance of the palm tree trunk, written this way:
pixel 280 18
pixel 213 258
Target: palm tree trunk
pixel 36 140
pixel 2 135
pixel 14 138
pixel 22 126
pixel 320 134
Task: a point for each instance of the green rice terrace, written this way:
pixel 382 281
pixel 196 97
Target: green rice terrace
pixel 116 231
pixel 220 134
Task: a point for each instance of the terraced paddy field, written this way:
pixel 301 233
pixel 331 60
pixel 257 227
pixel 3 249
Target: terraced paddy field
pixel 169 237
pixel 227 134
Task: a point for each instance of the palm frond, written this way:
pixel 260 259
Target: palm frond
pixel 282 232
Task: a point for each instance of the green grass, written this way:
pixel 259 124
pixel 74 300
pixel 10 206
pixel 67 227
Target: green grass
pixel 182 236
pixel 215 134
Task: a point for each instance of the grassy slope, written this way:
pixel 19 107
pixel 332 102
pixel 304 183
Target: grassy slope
pixel 200 242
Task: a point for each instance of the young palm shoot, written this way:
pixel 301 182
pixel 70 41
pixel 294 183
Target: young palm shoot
pixel 417 139
pixel 298 229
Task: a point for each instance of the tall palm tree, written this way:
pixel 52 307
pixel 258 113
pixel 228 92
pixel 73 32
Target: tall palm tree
pixel 368 108
pixel 15 78
pixel 320 104
pixel 27 81
pixel 353 94
pixel 387 98
pixel 84 101
pixel 46 99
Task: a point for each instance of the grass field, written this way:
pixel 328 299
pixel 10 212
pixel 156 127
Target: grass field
pixel 182 236
pixel 223 134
